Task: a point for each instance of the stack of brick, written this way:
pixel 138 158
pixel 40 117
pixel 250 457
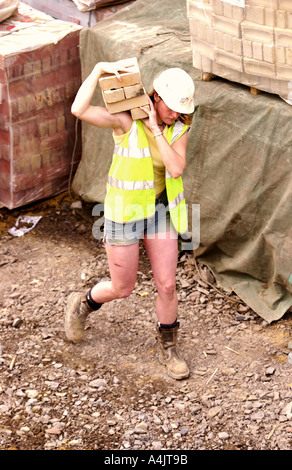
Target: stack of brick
pixel 67 10
pixel 127 94
pixel 246 41
pixel 37 129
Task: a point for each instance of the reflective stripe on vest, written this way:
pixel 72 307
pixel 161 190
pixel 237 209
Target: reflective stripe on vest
pixel 175 202
pixel 130 185
pixel 129 153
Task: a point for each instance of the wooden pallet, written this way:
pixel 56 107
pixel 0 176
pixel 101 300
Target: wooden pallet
pixel 207 77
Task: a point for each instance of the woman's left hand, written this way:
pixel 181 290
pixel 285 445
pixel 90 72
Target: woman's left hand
pixel 151 120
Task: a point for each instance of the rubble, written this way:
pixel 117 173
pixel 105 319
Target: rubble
pixel 110 392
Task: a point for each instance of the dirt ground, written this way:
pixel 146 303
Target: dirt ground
pixel 110 392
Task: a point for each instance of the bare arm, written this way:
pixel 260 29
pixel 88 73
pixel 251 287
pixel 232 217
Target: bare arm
pixel 173 156
pixel 97 115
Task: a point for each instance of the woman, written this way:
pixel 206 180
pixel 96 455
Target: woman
pixel 144 178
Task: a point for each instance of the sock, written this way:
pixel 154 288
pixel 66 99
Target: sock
pixel 168 326
pixel 92 304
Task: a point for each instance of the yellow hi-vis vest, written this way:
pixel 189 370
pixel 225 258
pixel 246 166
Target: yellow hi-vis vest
pixel 130 192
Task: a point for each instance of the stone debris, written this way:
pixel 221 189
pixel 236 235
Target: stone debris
pixel 110 392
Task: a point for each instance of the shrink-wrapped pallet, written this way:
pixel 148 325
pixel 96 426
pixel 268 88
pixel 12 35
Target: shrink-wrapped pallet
pixel 40 73
pixel 245 41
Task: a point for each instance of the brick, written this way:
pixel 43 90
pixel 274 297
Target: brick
pixel 127 105
pixel 110 81
pixel 238 13
pixel 289 19
pixel 227 10
pixel 138 113
pixel 285 5
pixel 197 59
pixel 227 41
pixel 227 25
pixel 280 54
pixel 281 19
pixel 46 158
pixel 204 48
pixel 269 54
pixel 228 60
pixel 30 103
pixel 37 67
pixel 201 31
pixel 202 13
pixel 55 141
pixel 255 14
pixel 289 56
pixel 270 17
pixel 206 65
pixel 194 27
pixel 219 40
pixel 259 68
pixel 43 129
pixel 52 126
pixel 4 137
pixel 112 96
pixel 217 6
pixel 27 180
pixel 134 90
pixel 61 123
pixel 284 72
pixel 264 3
pixel 283 37
pixel 258 33
pixel 257 50
pixel 5 153
pixel 28 69
pixel 237 46
pixel 21 102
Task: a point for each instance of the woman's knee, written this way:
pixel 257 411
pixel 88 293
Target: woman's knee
pixel 123 292
pixel 167 287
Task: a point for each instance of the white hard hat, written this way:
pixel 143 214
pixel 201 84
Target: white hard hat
pixel 176 88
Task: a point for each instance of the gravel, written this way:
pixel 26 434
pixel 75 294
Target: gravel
pixel 110 392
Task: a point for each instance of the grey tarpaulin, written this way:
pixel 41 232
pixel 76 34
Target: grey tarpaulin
pixel 239 162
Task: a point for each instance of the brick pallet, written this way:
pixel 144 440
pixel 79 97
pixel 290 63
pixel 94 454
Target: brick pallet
pixel 245 41
pixel 37 129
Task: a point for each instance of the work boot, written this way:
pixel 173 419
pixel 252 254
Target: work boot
pixel 168 353
pixel 76 313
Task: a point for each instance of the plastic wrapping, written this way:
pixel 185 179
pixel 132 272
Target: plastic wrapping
pixel 40 73
pixel 7 8
pixel 87 5
pixel 67 10
pixel 245 41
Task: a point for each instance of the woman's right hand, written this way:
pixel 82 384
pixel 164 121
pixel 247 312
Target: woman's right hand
pixel 111 67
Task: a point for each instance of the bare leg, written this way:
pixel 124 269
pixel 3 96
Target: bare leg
pixel 123 265
pixel 163 257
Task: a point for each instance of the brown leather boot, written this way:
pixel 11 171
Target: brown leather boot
pixel 76 313
pixel 169 355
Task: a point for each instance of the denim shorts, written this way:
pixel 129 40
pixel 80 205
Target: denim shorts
pixel 124 234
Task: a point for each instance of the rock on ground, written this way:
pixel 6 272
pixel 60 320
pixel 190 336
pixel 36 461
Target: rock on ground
pixel 110 392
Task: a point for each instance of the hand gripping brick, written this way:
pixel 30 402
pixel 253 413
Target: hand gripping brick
pixel 127 94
